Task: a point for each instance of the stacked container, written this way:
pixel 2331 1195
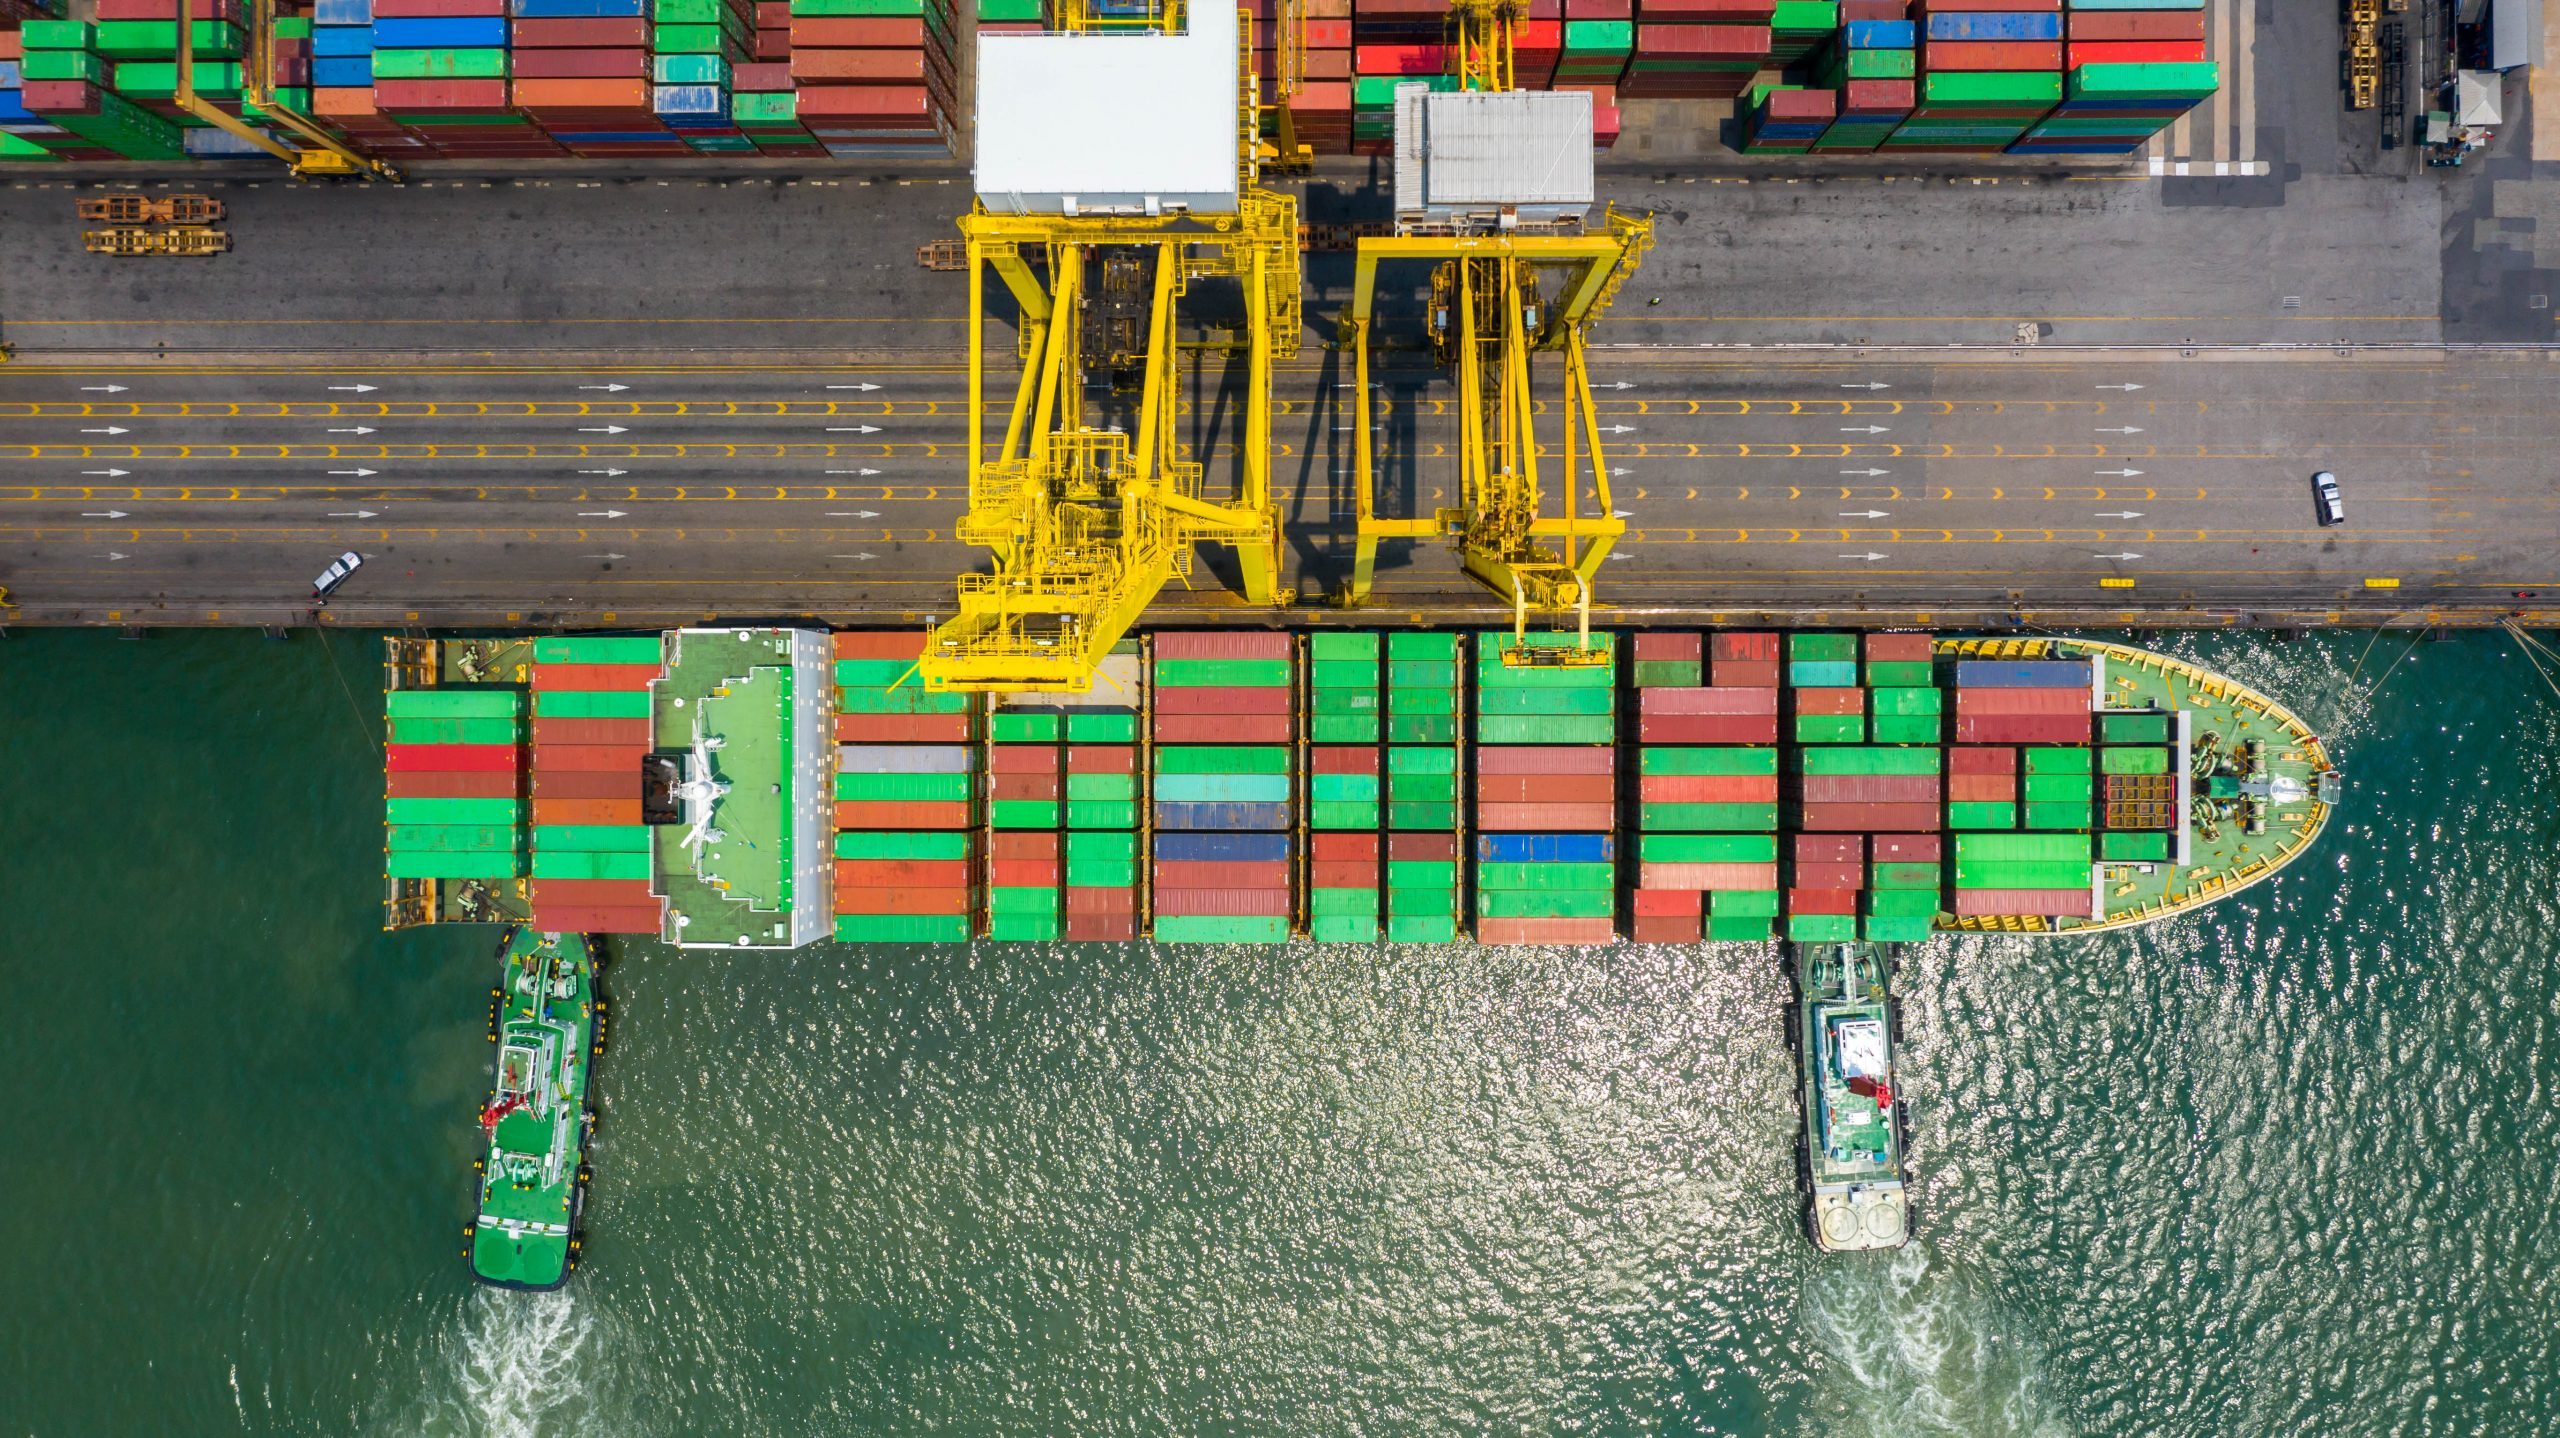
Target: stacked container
pixel 582 71
pixel 1545 794
pixel 1693 62
pixel 593 858
pixel 1344 788
pixel 2002 875
pixel 1903 883
pixel 1422 788
pixel 1822 672
pixel 694 49
pixel 1321 110
pixel 1799 28
pixel 1902 694
pixel 1982 787
pixel 1786 119
pixel 1224 727
pixel 1975 111
pixel 1599 36
pixel 441 71
pixel 2060 788
pixel 906 779
pixel 1102 803
pixel 1026 795
pixel 2138 779
pixel 1393 42
pixel 860 69
pixel 2043 701
pixel 1873 67
pixel 82 116
pixel 1708 798
pixel 454 807
pixel 2115 106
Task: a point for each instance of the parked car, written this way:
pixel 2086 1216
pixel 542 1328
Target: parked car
pixel 2332 509
pixel 335 575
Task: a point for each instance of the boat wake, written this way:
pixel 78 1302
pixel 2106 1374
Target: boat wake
pixel 1912 1346
pixel 524 1365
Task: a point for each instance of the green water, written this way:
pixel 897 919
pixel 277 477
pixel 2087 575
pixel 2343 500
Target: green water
pixel 2282 1167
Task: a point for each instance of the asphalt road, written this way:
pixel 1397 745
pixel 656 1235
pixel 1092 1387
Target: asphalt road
pixel 2144 486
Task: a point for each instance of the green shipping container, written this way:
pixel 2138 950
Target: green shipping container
pixel 450 838
pixel 1903 903
pixel 2059 816
pixel 1102 813
pixel 1015 726
pixel 1904 701
pixel 1708 848
pixel 596 838
pixel 440 64
pixel 1343 928
pixel 1426 899
pixel 1905 729
pixel 2057 788
pixel 1900 674
pixel 1904 876
pixel 1436 874
pixel 1192 929
pixel 1743 904
pixel 1337 903
pixel 1322 787
pixel 1822 928
pixel 608 649
pixel 58 35
pixel 1101 786
pixel 2124 847
pixel 905 788
pixel 1222 673
pixel 1545 878
pixel 1337 814
pixel 910 699
pixel 1546 729
pixel 455 731
pixel 1422 728
pixel 1830 728
pixel 591 704
pixel 1525 904
pixel 876 673
pixel 1023 813
pixel 1409 645
pixel 63 65
pixel 1102 726
pixel 1023 928
pixel 1353 644
pixel 1546 701
pixel 1422 817
pixel 1723 929
pixel 503 813
pixel 1981 814
pixel 1991 89
pixel 851 845
pixel 2134 728
pixel 1885 930
pixel 1422 761
pixel 1669 674
pixel 456 704
pixel 1222 759
pixel 2042 760
pixel 1868 760
pixel 431 864
pixel 1712 761
pixel 2022 848
pixel 1422 929
pixel 1711 817
pixel 1423 788
pixel 589 864
pixel 2134 761
pixel 2021 874
pixel 1022 899
pixel 1342 728
pixel 1821 648
pixel 158 39
pixel 902 929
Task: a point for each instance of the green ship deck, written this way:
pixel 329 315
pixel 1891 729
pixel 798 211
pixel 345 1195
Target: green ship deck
pixel 533 1173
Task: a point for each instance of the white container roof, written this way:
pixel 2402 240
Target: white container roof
pixel 1110 124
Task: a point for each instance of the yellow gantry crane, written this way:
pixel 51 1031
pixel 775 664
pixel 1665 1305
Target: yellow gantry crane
pixel 1088 521
pixel 1504 288
pixel 317 153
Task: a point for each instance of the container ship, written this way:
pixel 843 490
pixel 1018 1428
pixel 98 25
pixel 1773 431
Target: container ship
pixel 768 788
pixel 1845 1032
pixel 545 1020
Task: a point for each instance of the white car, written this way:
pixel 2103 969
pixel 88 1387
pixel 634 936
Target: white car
pixel 336 574
pixel 2332 508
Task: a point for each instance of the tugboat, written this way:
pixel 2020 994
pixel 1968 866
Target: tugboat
pixel 1853 1140
pixel 547 1023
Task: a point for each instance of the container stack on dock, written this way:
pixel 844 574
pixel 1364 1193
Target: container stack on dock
pixel 863 75
pixel 592 854
pixel 1783 119
pixel 66 86
pixel 1873 66
pixel 1546 812
pixel 1224 731
pixel 1425 831
pixel 1101 842
pixel 1345 788
pixel 906 784
pixel 1320 112
pixel 453 784
pixel 1696 49
pixel 2113 108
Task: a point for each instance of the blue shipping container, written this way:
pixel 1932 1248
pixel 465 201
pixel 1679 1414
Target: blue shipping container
pixel 2022 674
pixel 1545 848
pixel 1223 848
pixel 340 42
pixel 1882 35
pixel 463 32
pixel 1994 25
pixel 688 100
pixel 1222 816
pixel 342 72
pixel 342 12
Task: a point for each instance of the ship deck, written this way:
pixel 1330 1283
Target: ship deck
pixel 738 886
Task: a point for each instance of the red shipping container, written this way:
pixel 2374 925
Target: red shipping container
pixel 2060 903
pixel 616 677
pixel 1664 929
pixel 482 784
pixel 903 901
pixel 902 728
pixel 1925 7
pixel 1024 874
pixel 1870 789
pixel 868 66
pixel 1831 701
pixel 1899 648
pixel 586 811
pixel 1222 903
pixel 1667 903
pixel 1326 34
pixel 1719 700
pixel 1874 10
pixel 593 893
pixel 1708 12
pixel 851 32
pixel 1990 55
pixel 2024 729
pixel 591 758
pixel 1866 818
pixel 1708 789
pixel 1717 877
pixel 1102 759
pixel 2021 701
pixel 879 105
pixel 1223 699
pixel 586 783
pixel 1024 759
pixel 1329 847
pixel 1224 728
pixel 1327 65
pixel 1101 928
pixel 1822 901
pixel 756 77
pixel 601 34
pixel 584 919
pixel 1222 873
pixel 1654 645
pixel 1545 788
pixel 623 733
pixel 1010 844
pixel 1803 105
pixel 1982 761
pixel 450 758
pixel 773 14
pixel 1343 759
pixel 1422 848
pixel 1090 899
pixel 1342 874
pixel 1544 931
pixel 1546 818
pixel 863 643
pixel 1024 786
pixel 2089 25
pixel 1743 673
pixel 1879 97
pixel 430 96
pixel 1401 59
pixel 1707 728
pixel 1752 646
pixel 1829 848
pixel 855 875
pixel 1595 9
pixel 896 814
pixel 2134 52
pixel 1906 848
pixel 1830 876
pixel 1545 759
pixel 533 65
pixel 1981 788
pixel 1222 644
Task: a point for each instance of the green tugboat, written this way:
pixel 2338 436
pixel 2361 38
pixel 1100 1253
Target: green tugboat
pixel 1852 1116
pixel 548 1026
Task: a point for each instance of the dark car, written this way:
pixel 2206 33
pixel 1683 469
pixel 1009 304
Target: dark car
pixel 2332 508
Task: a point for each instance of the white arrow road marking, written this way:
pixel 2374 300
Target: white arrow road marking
pixel 2128 429
pixel 1870 557
pixel 359 429
pixel 111 554
pixel 2128 388
pixel 1868 429
pixel 607 388
pixel 107 473
pixel 1871 384
pixel 607 473
pixel 351 514
pixel 2119 556
pixel 1620 429
pixel 603 429
pixel 1869 473
pixel 852 514
pixel 1868 514
pixel 1622 514
pixel 1615 474
pixel 602 513
pixel 355 473
pixel 2122 473
pixel 354 388
pixel 2123 514
pixel 864 387
pixel 1622 384
pixel 605 556
pixel 110 429
pixel 102 514
pixel 853 429
pixel 102 389
pixel 853 556
pixel 853 471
